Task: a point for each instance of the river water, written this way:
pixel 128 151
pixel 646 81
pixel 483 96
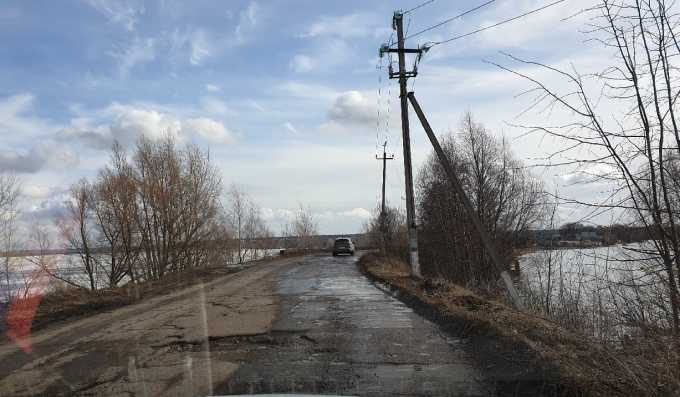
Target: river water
pixel 606 290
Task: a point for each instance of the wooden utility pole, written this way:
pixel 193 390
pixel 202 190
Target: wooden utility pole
pixel 383 229
pixel 458 188
pixel 384 159
pixel 403 75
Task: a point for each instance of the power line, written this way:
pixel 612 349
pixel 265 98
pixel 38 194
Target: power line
pixel 450 19
pixel 418 6
pixel 408 25
pixel 498 23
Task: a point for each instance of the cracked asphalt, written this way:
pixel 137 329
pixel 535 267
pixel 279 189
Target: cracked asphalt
pixel 341 334
pixel 306 325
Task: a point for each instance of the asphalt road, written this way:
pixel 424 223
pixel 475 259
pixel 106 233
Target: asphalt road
pixel 306 325
pixel 338 333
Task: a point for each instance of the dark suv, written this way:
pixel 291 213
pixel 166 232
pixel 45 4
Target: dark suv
pixel 343 245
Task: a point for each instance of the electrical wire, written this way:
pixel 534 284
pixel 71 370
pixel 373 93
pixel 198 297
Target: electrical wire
pixel 378 103
pixel 450 19
pixel 408 25
pixel 497 24
pixel 418 6
pixel 389 110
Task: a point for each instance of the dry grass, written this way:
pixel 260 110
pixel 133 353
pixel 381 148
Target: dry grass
pixel 581 364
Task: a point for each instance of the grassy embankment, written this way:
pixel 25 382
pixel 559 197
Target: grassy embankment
pixel 571 364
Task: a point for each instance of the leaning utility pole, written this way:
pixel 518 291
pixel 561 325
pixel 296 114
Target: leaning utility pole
pixel 403 75
pixel 467 204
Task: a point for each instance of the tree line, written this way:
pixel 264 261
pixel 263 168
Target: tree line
pixel 156 209
pixel 506 197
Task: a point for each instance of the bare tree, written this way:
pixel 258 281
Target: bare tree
pixel 36 280
pixel 177 205
pixel 237 217
pixel 634 147
pixel 247 226
pixel 76 229
pixel 115 207
pixel 10 190
pixel 305 227
pixel 390 225
pixel 505 196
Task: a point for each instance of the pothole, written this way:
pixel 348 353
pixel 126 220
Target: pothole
pixel 239 342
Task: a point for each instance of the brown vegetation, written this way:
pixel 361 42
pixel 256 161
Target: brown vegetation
pixel 619 126
pixel 581 366
pixel 505 197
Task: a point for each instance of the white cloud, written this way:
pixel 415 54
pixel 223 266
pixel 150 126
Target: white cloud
pixel 125 13
pixel 50 155
pixel 15 123
pixel 307 91
pixel 216 106
pixel 361 213
pixel 213 88
pixel 345 26
pixel 248 19
pixel 277 214
pixel 545 27
pixel 303 63
pixel 254 105
pixel 126 123
pixel 352 107
pixel 20 131
pixel 44 209
pixel 290 128
pixel 194 46
pixel 130 122
pixel 201 47
pixel 139 52
pixel 328 54
pixel 211 130
pixel 35 191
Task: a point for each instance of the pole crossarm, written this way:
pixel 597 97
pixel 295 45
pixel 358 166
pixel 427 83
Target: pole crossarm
pixel 458 188
pixel 405 50
pixel 397 75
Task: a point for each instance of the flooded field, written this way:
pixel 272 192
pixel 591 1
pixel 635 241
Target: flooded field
pixel 30 275
pixel 608 290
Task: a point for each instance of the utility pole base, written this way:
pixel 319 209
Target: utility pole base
pixel 413 253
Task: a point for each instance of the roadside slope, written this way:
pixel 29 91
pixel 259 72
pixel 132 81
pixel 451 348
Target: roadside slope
pixel 570 364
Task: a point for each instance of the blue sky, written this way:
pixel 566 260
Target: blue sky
pixel 284 94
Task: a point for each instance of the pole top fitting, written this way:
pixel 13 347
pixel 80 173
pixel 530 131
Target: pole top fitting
pixel 383 49
pixel 398 15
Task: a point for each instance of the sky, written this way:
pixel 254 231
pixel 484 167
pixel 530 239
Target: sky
pixel 286 96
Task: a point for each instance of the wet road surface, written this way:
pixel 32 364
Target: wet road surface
pixel 338 333
pixel 307 325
